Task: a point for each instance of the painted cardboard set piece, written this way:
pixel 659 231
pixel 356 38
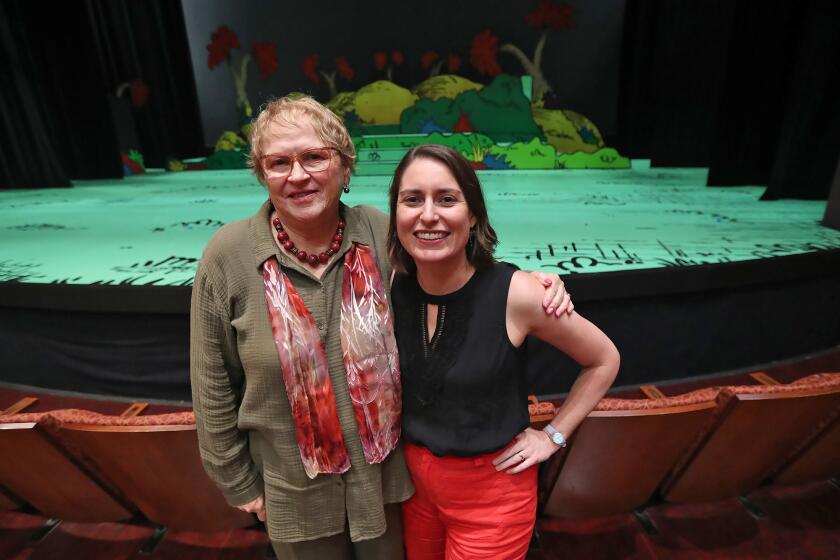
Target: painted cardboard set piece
pixel 507 124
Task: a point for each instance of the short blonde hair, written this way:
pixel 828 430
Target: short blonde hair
pixel 294 111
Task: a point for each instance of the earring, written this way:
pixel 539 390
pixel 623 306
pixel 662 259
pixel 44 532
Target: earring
pixel 346 188
pixel 471 240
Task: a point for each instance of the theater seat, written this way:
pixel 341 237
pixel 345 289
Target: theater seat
pixel 38 469
pixel 753 428
pixel 622 451
pixel 154 460
pixel 7 501
pixel 819 460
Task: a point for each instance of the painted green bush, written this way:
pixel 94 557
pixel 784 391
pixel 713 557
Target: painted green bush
pixel 605 158
pixel 464 143
pixel 429 115
pixel 527 155
pixel 227 159
pixel 499 110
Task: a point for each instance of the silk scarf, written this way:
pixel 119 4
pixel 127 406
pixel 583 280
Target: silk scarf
pixel 370 358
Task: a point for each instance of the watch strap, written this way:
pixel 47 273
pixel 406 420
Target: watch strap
pixel 555 436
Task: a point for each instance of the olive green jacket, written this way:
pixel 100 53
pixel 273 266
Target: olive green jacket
pixel 243 418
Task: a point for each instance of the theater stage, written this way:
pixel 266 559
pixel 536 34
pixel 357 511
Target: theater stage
pixel 688 280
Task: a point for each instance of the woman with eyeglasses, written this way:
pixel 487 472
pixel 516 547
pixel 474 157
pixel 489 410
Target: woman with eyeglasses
pixel 294 367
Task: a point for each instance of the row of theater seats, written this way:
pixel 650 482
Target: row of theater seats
pixel 81 466
pixel 706 445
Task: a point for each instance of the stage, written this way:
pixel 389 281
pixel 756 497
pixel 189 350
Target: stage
pixel 688 280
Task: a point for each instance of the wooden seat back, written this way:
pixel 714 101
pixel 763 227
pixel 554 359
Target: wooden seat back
pixel 819 460
pixel 754 428
pixel 8 501
pixel 618 458
pixel 38 469
pixel 158 467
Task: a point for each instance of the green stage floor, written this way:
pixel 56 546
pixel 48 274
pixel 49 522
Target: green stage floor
pixel 151 228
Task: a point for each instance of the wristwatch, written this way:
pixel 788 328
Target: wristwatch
pixel 555 436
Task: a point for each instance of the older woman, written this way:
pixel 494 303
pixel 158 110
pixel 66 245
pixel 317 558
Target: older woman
pixel 295 374
pixel 461 322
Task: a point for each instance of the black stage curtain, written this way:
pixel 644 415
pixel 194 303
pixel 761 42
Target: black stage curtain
pixel 747 89
pixel 669 79
pixel 134 355
pixel 64 63
pixel 148 41
pixel 31 155
pixel 832 209
pixel 71 58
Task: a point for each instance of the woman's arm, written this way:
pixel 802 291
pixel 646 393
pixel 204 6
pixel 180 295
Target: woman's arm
pixel 223 447
pixel 579 339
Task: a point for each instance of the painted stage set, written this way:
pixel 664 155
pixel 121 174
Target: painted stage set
pixel 688 280
pixel 97 277
pixel 150 229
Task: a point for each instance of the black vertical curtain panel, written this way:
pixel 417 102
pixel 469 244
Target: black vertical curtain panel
pixel 29 154
pixel 748 89
pixel 66 62
pixel 146 43
pixel 832 209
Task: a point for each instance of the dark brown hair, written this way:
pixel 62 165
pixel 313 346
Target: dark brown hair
pixel 482 241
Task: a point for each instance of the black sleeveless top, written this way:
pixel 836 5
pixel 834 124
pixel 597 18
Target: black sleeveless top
pixel 463 390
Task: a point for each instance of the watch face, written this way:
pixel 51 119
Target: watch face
pixel 558 438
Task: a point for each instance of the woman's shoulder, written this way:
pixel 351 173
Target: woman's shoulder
pixel 230 248
pixel 367 224
pixel 228 237
pixel 525 291
pixel 367 214
pixel 498 274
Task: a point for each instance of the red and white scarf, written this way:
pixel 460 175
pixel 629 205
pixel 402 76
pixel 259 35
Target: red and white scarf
pixel 370 360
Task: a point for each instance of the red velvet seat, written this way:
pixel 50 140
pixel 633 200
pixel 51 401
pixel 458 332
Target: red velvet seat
pixel 622 451
pixel 753 428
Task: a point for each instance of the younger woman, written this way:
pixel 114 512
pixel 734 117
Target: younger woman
pixel 461 321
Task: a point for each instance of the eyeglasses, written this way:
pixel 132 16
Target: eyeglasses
pixel 315 160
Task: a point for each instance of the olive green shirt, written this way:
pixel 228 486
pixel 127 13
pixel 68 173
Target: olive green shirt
pixel 245 430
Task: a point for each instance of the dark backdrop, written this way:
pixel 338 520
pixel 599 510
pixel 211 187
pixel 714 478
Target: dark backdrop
pixel 62 62
pixel 581 63
pixel 748 89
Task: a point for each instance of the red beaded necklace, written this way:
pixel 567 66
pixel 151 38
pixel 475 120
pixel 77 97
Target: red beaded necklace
pixel 312 260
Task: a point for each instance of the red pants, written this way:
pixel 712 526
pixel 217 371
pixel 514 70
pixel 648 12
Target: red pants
pixel 464 509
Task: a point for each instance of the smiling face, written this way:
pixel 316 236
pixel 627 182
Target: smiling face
pixel 433 219
pixel 303 197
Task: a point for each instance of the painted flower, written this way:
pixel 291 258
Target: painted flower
pixel 453 63
pixel 483 52
pixel 310 65
pixel 265 56
pixel 553 14
pixel 221 42
pixel 380 59
pixel 343 67
pixel 428 58
pixel 463 124
pixel 139 93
